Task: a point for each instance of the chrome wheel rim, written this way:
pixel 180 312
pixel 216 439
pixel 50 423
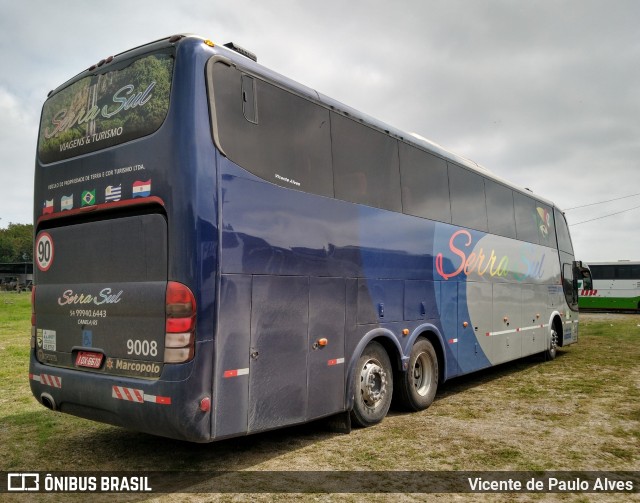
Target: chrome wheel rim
pixel 373 383
pixel 422 374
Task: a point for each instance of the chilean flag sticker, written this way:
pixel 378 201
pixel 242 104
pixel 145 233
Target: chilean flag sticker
pixel 47 207
pixel 142 189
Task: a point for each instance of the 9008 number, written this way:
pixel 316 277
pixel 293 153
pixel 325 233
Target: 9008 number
pixel 142 348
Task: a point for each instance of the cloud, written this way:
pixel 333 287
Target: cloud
pixel 17 144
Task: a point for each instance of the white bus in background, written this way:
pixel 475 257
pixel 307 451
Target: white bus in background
pixel 616 287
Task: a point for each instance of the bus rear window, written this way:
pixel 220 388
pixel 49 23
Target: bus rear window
pixel 128 101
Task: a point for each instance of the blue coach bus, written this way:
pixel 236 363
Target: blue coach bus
pixel 220 251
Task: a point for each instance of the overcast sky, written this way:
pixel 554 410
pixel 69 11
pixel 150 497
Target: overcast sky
pixel 545 94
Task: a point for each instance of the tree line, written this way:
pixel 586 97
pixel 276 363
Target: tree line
pixel 16 243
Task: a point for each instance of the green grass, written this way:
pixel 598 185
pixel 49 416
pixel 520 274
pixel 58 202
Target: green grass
pixel 580 411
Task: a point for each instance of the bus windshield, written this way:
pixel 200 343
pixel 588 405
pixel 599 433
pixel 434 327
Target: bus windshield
pixel 104 109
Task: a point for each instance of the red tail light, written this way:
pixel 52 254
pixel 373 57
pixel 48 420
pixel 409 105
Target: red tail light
pixel 179 340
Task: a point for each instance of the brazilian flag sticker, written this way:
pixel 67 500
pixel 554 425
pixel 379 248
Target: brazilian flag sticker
pixel 88 197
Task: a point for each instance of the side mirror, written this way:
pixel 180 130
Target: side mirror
pixel 583 271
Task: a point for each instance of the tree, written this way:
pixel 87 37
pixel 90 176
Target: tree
pixel 16 243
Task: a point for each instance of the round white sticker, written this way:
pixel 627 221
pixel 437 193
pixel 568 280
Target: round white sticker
pixel 44 251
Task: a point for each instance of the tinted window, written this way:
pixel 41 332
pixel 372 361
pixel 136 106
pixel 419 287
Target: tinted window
pixel 562 231
pixel 128 101
pixel 468 207
pixel 544 222
pixel 623 272
pixel 526 218
pixel 602 271
pixel 365 164
pixel 500 209
pixel 425 184
pixel 272 133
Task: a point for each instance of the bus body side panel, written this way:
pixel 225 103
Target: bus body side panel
pixel 283 249
pixel 535 311
pixel 233 339
pixel 474 347
pixel 327 316
pixel 448 308
pixel 507 316
pixel 278 366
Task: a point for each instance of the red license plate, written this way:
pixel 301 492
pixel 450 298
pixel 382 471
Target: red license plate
pixel 89 359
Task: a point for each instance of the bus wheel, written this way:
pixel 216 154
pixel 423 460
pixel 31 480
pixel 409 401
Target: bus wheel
pixel 550 354
pixel 373 386
pixel 418 385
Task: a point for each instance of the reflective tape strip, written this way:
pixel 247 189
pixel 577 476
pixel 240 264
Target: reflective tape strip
pixel 453 341
pixel 335 361
pixel 127 394
pixel 48 380
pixel 137 396
pixel 235 373
pixel 515 330
pixel 164 400
pixel 533 327
pixel 502 332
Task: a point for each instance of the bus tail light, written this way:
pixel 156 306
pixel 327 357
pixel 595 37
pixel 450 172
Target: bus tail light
pixel 179 342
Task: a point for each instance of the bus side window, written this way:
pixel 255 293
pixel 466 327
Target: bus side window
pixel 249 99
pixel 546 229
pixel 468 203
pixel 365 164
pixel 500 211
pixel 425 184
pixel 564 240
pixel 526 218
pixel 286 142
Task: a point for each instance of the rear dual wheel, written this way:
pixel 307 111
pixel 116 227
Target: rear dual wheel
pixel 418 385
pixel 373 383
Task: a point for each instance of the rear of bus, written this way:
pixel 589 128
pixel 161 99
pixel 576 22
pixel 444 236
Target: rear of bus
pixel 125 244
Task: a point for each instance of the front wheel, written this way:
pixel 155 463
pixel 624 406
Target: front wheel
pixel 551 352
pixel 418 385
pixel 372 386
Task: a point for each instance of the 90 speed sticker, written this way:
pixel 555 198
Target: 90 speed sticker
pixel 44 251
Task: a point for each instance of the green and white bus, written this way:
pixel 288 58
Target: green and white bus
pixel 616 287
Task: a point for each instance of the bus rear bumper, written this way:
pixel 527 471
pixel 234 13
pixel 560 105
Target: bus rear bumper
pixel 158 407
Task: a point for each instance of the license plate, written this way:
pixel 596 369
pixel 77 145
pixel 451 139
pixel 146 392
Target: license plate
pixel 89 359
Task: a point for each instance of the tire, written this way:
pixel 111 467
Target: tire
pixel 372 386
pixel 550 354
pixel 418 385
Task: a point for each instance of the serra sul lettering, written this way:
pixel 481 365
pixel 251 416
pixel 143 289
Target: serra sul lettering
pixel 480 264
